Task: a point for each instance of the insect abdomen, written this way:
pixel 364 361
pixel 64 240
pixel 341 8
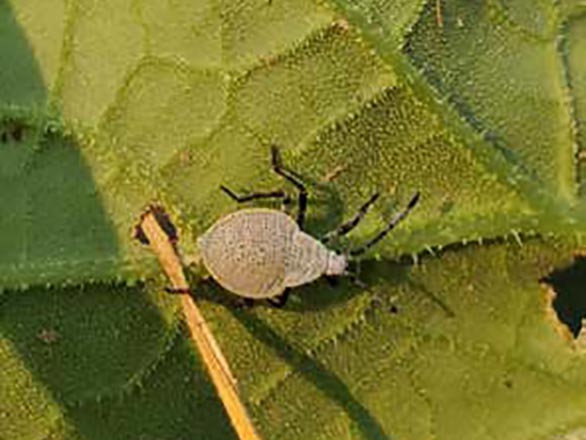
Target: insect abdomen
pixel 245 251
pixel 306 259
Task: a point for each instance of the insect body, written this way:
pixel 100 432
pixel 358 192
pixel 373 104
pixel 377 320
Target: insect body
pixel 260 253
pixel 257 253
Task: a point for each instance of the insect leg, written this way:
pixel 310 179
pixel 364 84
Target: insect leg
pixel 279 301
pixel 344 228
pixel 278 194
pixel 395 220
pixel 295 179
pixel 178 291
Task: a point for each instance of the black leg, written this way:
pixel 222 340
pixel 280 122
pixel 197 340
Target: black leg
pixel 177 291
pixel 279 301
pixel 279 194
pixel 396 219
pixel 344 228
pixel 294 178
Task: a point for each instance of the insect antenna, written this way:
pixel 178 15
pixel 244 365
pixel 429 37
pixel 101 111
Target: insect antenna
pixel 394 222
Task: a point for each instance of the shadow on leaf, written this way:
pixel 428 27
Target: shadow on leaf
pixel 317 373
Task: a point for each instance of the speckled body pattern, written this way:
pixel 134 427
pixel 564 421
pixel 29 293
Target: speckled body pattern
pixel 257 253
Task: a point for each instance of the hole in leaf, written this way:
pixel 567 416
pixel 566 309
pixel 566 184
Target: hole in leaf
pixel 164 221
pixel 570 300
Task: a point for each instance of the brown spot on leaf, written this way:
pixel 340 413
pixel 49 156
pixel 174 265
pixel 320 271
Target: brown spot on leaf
pixel 439 15
pixel 334 173
pixel 341 25
pixel 13 131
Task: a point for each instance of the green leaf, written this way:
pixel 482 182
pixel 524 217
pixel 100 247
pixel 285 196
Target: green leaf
pixel 108 106
pixel 164 124
pixel 483 53
pixel 457 347
pixel 93 362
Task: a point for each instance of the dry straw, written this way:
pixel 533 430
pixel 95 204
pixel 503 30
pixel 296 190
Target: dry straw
pixel 211 354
